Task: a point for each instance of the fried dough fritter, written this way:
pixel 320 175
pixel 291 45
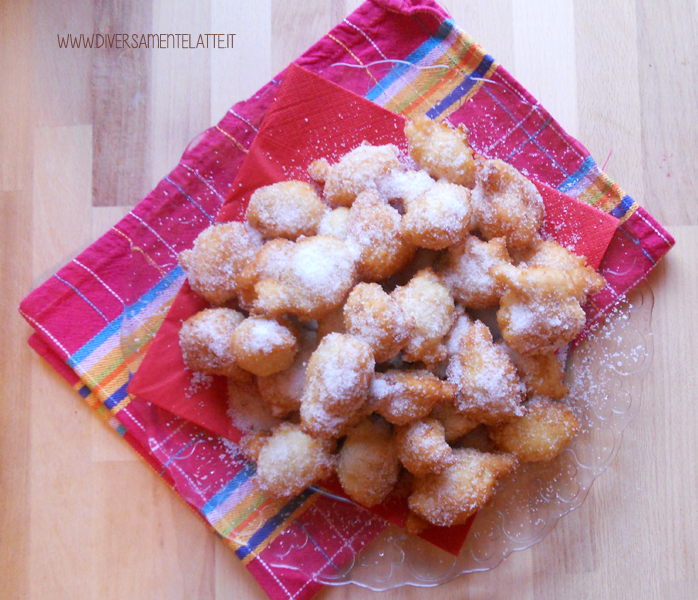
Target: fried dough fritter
pixel 373 234
pixel 219 254
pixel 465 270
pixel 541 309
pixel 374 317
pixel 338 377
pixel 430 310
pixel 489 389
pixel 506 204
pixel 405 186
pixel 268 263
pixel 291 460
pixel 542 374
pixel 544 431
pixel 368 466
pixel 455 424
pixel 315 279
pixel 335 223
pixel 283 391
pixel 422 448
pixel 438 218
pixel 548 253
pixel 286 209
pixel 404 396
pixel 452 496
pixel 205 342
pixel 441 151
pixel 263 346
pixel 357 171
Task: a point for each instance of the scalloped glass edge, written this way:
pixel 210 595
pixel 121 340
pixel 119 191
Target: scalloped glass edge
pixel 605 375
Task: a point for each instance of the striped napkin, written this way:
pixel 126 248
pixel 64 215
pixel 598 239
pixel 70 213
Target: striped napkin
pixel 407 57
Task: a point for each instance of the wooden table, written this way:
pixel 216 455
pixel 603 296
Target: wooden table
pixel 82 517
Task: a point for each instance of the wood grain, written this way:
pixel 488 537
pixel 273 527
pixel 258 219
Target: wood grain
pixel 610 106
pixel 84 135
pixel 668 76
pixel 120 82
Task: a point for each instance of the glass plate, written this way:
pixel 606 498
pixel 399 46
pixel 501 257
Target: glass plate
pixel 604 374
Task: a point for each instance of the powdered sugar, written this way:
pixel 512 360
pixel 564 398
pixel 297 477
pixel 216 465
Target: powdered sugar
pixel 405 186
pixel 263 336
pixel 318 268
pixel 247 409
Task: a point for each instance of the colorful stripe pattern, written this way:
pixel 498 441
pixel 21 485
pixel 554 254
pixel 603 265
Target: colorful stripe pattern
pixel 446 71
pixel 437 78
pixel 438 71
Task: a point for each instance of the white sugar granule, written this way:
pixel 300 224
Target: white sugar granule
pixel 335 223
pixel 264 336
pixel 444 207
pixel 458 331
pixel 199 382
pixel 320 268
pixel 341 375
pixel 384 387
pixel 405 186
pixel 247 409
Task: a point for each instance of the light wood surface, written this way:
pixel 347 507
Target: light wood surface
pixel 82 517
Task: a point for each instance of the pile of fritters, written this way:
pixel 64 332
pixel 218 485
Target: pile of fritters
pixel 351 312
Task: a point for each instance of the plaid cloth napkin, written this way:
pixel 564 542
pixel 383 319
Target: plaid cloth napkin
pixel 120 288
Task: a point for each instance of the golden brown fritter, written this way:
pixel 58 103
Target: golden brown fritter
pixel 541 310
pixel 219 254
pixel 439 217
pixel 283 391
pixel 268 263
pixel 542 374
pixel 316 279
pixel 506 204
pixel 543 432
pixel 404 396
pixel 263 346
pixel 455 424
pixel 373 234
pixel 335 223
pixel 287 209
pixel 430 310
pixel 368 467
pixel 421 447
pixel 465 270
pixel 374 317
pixel 357 171
pixel 489 389
pixel 205 342
pixel 440 150
pixel 291 460
pixel 452 496
pixel 337 380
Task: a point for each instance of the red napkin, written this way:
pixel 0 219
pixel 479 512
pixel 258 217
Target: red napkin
pixel 313 118
pixel 579 227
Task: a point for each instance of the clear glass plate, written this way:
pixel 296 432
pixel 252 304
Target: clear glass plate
pixel 604 374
